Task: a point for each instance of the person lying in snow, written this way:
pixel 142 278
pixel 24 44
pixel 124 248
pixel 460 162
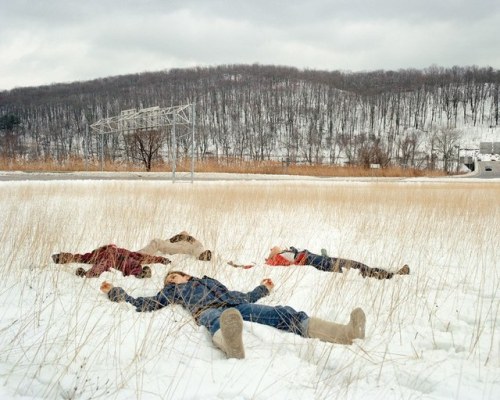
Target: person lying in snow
pixel 182 243
pixel 110 256
pixel 291 256
pixel 222 311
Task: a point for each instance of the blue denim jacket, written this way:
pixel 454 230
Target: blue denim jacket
pixel 196 295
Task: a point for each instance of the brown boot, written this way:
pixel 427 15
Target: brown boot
pixel 182 237
pixel 405 270
pixel 229 337
pixel 205 256
pixel 337 333
pixel 146 273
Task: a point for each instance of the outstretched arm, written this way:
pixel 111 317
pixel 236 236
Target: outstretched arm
pixel 66 258
pixel 141 304
pixel 260 291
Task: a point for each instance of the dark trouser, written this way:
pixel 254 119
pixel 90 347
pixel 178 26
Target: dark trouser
pixel 284 318
pixel 332 264
pixel 326 263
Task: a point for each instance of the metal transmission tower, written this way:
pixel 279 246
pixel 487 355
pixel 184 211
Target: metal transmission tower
pixel 145 119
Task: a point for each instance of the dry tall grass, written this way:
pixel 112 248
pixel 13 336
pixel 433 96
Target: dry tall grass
pixel 448 233
pixel 224 165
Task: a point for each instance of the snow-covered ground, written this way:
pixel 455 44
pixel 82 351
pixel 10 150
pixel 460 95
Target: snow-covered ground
pixel 434 334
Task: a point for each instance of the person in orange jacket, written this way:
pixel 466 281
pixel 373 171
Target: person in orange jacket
pixel 291 256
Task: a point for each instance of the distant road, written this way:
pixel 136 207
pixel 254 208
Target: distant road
pixel 167 176
pixel 5 176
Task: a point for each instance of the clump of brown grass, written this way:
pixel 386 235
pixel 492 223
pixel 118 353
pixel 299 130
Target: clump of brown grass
pixel 220 165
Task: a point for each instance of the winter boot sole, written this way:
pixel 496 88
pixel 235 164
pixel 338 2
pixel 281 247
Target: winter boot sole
pixel 231 325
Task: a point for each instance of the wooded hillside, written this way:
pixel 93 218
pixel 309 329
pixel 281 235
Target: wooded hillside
pixel 415 118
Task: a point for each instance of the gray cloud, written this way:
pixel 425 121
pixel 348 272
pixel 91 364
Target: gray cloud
pixel 58 41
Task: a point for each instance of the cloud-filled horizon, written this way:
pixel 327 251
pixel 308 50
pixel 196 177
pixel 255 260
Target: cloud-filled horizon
pixel 59 41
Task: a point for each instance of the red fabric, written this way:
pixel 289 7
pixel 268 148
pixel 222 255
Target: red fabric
pixel 301 258
pixel 278 260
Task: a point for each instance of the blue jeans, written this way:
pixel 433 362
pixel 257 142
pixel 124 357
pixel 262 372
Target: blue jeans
pixel 284 318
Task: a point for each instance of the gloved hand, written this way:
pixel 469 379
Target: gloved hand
pixel 117 294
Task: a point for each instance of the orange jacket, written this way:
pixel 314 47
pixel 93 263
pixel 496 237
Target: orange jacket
pixel 279 260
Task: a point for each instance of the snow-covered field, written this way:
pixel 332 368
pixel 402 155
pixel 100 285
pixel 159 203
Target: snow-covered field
pixel 431 335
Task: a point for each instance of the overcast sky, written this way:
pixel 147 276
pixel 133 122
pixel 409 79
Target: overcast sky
pixel 49 41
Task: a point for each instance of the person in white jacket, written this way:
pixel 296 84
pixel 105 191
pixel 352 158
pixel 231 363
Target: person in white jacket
pixel 182 243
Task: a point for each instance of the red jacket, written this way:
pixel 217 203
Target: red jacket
pixel 280 260
pixel 110 256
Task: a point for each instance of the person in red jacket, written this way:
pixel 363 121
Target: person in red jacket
pixel 110 256
pixel 291 256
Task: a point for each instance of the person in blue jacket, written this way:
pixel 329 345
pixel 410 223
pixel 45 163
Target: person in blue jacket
pixel 222 311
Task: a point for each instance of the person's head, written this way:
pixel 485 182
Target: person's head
pixel 176 277
pixel 275 250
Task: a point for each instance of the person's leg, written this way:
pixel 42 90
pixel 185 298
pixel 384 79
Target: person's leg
pixel 376 273
pixel 324 263
pixel 226 328
pixel 167 247
pixel 129 266
pixel 284 318
pixel 281 317
pixel 98 268
pixel 211 319
pixel 337 333
pixel 380 273
pixel 344 263
pixel 152 247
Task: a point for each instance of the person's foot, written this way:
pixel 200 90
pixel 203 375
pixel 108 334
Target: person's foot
pixel 80 272
pixel 357 323
pixel 231 325
pixel 182 237
pixel 405 270
pixel 146 273
pixel 205 256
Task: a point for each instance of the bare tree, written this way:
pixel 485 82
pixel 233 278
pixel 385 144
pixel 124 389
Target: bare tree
pixel 446 142
pixel 144 146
